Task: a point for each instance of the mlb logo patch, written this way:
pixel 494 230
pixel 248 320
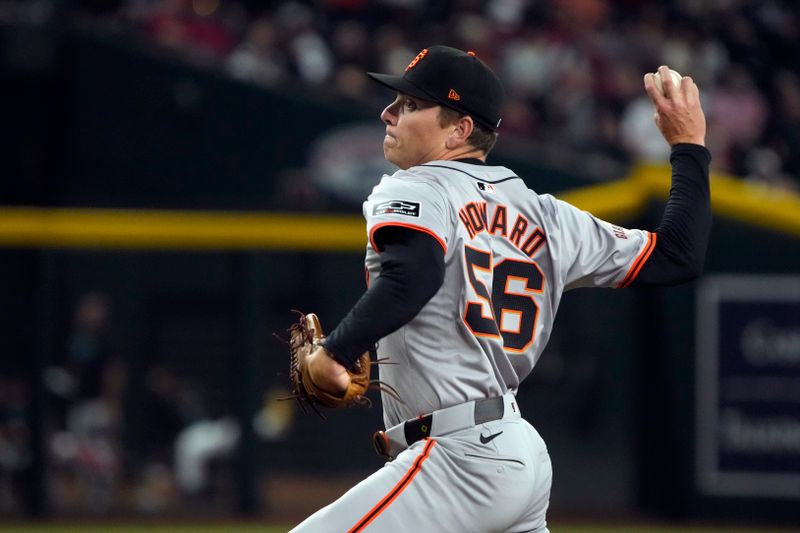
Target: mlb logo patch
pixel 486 187
pixel 396 207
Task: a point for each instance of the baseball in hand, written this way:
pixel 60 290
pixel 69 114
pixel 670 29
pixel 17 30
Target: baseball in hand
pixel 676 80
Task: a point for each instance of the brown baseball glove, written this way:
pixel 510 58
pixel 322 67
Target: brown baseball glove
pixel 305 336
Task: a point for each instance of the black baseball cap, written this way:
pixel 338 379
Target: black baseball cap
pixel 452 78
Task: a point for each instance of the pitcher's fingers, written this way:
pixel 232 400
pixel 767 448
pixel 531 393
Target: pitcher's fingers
pixel 691 90
pixel 666 81
pixel 651 89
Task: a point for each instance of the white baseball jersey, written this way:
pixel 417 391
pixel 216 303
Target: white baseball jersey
pixel 509 255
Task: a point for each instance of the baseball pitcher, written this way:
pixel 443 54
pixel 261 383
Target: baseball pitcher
pixel 466 267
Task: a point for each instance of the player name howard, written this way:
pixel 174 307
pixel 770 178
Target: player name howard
pixel 475 217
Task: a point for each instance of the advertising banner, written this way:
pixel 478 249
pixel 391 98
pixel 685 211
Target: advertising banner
pixel 748 386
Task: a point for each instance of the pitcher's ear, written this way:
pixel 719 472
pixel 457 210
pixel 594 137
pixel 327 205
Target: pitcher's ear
pixel 460 132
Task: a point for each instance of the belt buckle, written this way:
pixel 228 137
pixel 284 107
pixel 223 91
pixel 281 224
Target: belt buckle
pixel 418 429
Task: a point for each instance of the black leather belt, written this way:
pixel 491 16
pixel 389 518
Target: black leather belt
pixel 395 439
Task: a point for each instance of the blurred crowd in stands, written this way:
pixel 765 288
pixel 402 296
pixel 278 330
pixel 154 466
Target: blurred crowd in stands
pixel 116 438
pixel 572 68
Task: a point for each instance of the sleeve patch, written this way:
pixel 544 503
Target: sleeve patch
pixel 396 207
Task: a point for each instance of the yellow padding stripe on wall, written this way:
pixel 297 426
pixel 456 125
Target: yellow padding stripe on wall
pixel 618 201
pixel 748 202
pixel 195 230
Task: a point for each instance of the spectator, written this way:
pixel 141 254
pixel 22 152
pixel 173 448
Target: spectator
pixel 259 58
pixel 15 441
pixel 573 66
pixel 195 27
pixel 738 113
pixel 90 385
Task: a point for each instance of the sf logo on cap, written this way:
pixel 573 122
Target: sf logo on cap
pixel 416 59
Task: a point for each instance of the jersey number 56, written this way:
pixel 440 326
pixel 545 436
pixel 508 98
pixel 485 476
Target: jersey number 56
pixel 510 312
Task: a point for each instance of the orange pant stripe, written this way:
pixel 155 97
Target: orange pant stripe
pixel 396 490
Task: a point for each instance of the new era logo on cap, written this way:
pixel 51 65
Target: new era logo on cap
pixel 453 95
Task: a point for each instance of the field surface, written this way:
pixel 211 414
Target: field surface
pixel 257 528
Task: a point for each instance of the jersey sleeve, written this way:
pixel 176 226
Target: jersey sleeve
pixel 409 201
pixel 593 252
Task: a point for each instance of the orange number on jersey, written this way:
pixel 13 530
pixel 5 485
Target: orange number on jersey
pixel 513 311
